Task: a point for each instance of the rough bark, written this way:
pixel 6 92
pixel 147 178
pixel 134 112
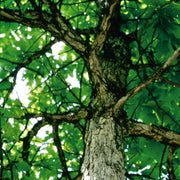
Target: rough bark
pixel 104 157
pixel 104 149
pixel 104 135
pixel 152 132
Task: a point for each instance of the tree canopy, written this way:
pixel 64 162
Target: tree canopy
pixel 47 82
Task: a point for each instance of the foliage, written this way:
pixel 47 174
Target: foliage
pixel 36 83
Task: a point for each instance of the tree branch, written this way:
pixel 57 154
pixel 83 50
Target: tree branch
pixel 134 128
pixel 70 117
pixel 9 15
pixel 153 132
pixel 64 29
pixel 145 83
pixel 27 140
pixel 94 64
pixel 57 142
pixel 170 163
pixel 104 27
pixel 170 82
pixel 56 25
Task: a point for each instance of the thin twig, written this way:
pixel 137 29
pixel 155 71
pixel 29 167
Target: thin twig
pixel 157 75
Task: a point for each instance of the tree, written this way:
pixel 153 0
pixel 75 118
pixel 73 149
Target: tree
pixel 120 119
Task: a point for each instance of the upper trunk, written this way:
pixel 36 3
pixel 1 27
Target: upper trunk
pixel 104 138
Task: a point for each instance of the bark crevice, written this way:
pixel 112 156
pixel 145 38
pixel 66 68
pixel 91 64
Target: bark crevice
pixel 104 149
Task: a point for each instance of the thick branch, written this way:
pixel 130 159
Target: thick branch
pixel 154 133
pixel 71 117
pixel 96 72
pixel 134 128
pixel 104 27
pixel 9 15
pixel 64 29
pixel 58 26
pixel 144 84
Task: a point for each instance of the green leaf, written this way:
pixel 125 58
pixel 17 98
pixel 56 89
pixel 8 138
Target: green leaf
pixel 23 166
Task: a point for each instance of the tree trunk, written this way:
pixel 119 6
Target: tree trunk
pixel 104 149
pixel 103 157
